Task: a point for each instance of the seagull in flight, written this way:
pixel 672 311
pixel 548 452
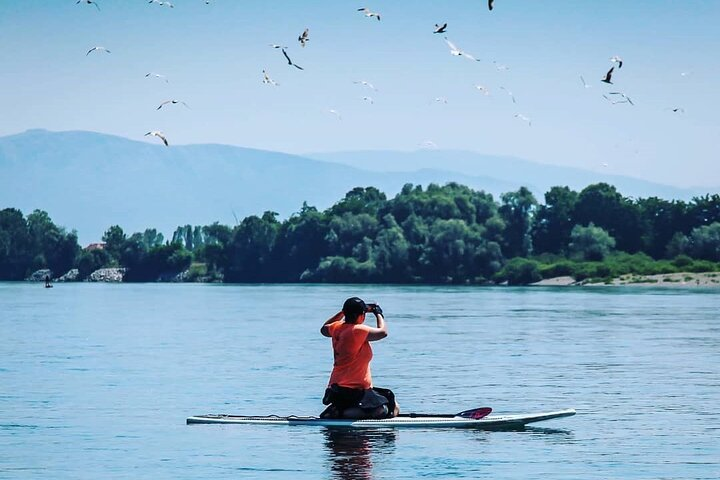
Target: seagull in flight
pixel 685 74
pixel 484 90
pixel 157 75
pixel 628 99
pixel 368 13
pixel 509 93
pixel 304 37
pixel 608 76
pixel 172 102
pixel 267 80
pixel 336 113
pixel 369 99
pixel 614 102
pixel 524 118
pixel 618 60
pixel 440 28
pixel 454 50
pixel 97 49
pixel 441 100
pixel 275 45
pixel 429 144
pixel 676 109
pixel 88 2
pixel 365 83
pixel 290 62
pixel 584 82
pixel 160 135
pixel 500 67
pixel 162 4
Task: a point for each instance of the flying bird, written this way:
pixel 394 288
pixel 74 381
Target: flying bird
pixel 88 2
pixel 484 90
pixel 584 83
pixel 429 144
pixel 267 80
pixel 608 76
pixel 172 102
pixel 501 67
pixel 304 37
pixel 97 49
pixel 509 93
pixel 275 45
pixel 440 28
pixel 490 4
pixel 629 100
pixel 524 118
pixel 685 74
pixel 157 75
pixel 676 109
pixel 618 60
pixel 160 135
pixel 369 99
pixel 368 13
pixel 454 50
pixel 162 4
pixel 441 100
pixel 336 113
pixel 290 62
pixel 614 102
pixel 365 83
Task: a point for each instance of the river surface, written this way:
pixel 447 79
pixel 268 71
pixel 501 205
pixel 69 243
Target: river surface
pixel 96 381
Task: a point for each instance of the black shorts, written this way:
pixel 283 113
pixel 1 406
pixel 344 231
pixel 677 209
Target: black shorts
pixel 370 399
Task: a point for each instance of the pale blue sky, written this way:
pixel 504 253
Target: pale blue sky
pixel 213 56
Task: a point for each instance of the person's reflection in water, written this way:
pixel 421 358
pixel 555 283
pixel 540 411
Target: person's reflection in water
pixel 351 451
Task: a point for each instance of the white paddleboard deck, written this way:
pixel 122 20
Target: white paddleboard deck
pixel 490 422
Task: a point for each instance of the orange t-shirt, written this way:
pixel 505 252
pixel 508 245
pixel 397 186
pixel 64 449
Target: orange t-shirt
pixel 352 355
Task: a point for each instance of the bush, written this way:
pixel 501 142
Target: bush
pixel 520 271
pixel 560 269
pixel 590 243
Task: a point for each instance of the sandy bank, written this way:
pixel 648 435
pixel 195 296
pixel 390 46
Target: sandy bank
pixel 682 279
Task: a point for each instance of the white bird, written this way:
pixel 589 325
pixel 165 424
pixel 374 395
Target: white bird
pixel 88 2
pixel 618 60
pixel 482 89
pixel 304 37
pixel 336 113
pixel 368 13
pixel 97 49
pixel 429 144
pixel 369 99
pixel 582 79
pixel 290 62
pixel 440 100
pixel 157 75
pixel 509 93
pixel 160 135
pixel 162 4
pixel 172 102
pixel 275 45
pixel 605 164
pixel 500 67
pixel 614 102
pixel 685 74
pixel 454 50
pixel 524 118
pixel 267 80
pixel 628 99
pixel 365 83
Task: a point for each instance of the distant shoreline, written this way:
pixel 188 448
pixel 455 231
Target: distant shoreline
pixel 680 279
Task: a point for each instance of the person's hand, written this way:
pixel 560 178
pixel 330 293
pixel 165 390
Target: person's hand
pixel 375 308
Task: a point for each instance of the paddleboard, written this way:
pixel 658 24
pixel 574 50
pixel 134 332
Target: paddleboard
pixel 404 420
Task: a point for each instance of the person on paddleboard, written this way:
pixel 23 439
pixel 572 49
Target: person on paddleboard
pixel 350 392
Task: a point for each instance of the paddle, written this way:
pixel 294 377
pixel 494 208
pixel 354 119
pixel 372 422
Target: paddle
pixel 475 414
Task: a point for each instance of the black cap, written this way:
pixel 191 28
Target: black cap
pixel 353 307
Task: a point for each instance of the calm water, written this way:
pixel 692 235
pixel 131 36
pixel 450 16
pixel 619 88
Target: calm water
pixel 96 381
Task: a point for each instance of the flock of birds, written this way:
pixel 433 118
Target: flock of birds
pixel 614 97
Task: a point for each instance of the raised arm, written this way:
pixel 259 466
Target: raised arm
pixel 335 318
pixel 381 331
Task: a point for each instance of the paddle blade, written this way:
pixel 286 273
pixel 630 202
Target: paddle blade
pixel 475 413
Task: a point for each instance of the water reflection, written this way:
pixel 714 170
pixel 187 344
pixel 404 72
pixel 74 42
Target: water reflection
pixel 351 451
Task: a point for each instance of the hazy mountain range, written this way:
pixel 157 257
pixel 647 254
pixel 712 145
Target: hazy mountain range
pixel 90 181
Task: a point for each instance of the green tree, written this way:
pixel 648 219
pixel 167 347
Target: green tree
pixel 590 243
pixel 516 210
pixel 249 251
pixel 15 245
pixel 553 221
pixel 114 239
pixel 705 242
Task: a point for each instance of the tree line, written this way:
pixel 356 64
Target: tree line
pixel 439 234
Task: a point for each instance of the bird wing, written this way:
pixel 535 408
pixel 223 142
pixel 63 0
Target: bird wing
pixel 452 46
pixel 490 5
pixel 286 56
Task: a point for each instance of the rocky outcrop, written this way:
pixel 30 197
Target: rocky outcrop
pixel 112 275
pixel 39 275
pixel 71 276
